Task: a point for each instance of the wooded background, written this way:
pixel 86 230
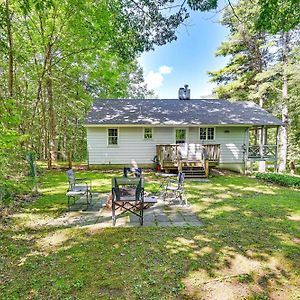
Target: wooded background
pixel 56 57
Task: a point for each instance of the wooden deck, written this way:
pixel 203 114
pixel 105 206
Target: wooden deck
pixel 193 159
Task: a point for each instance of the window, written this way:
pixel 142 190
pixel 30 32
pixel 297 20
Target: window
pixel 112 136
pixel 180 136
pixel 202 133
pixel 210 133
pixel 207 133
pixel 148 133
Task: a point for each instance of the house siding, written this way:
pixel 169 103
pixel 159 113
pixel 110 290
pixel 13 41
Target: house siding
pixel 133 148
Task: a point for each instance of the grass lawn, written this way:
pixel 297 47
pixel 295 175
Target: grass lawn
pixel 247 248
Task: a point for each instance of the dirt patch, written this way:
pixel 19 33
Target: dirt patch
pixel 240 265
pixel 239 277
pixel 54 240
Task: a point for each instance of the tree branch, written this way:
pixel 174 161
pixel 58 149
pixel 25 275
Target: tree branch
pixel 234 12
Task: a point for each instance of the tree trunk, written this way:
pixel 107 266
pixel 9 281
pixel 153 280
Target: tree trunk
pixel 52 120
pixel 10 51
pixel 285 112
pixel 70 159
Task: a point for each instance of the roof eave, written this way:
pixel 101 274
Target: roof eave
pixel 177 125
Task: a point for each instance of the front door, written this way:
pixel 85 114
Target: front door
pixel 180 136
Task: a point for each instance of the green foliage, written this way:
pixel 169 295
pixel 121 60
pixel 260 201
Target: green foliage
pixel 12 188
pixel 256 67
pixel 281 179
pixel 277 15
pixel 247 50
pixel 10 139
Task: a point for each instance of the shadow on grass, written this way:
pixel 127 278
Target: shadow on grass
pixel 247 248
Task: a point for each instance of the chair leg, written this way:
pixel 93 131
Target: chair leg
pixel 142 213
pixel 165 195
pixel 183 199
pixel 113 213
pixel 87 200
pixel 91 197
pixel 180 198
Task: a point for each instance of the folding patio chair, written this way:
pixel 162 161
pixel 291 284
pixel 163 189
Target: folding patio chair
pixel 125 201
pixel 177 187
pixel 76 190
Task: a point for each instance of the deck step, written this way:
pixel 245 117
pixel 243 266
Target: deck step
pixel 194 172
pixel 195 176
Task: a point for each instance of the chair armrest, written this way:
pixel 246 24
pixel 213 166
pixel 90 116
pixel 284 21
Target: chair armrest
pixel 170 182
pixel 82 179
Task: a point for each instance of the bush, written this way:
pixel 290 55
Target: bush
pixel 281 179
pixel 11 188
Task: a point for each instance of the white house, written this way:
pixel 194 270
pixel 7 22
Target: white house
pixel 129 131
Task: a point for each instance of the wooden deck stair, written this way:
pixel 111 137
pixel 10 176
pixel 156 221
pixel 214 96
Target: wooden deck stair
pixel 194 172
pixel 193 169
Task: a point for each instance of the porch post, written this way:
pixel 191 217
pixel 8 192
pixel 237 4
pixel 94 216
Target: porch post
pixel 262 163
pixel 276 154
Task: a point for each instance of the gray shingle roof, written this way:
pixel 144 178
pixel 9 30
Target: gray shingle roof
pixel 177 112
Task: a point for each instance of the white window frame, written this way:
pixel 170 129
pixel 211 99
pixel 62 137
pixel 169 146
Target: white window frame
pixel 186 134
pixel 206 133
pixel 107 134
pixel 148 139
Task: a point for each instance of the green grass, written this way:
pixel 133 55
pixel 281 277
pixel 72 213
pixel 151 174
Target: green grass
pixel 248 247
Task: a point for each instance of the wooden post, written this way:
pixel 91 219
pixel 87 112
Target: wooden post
pixel 180 166
pixel 276 154
pixel 206 168
pixel 262 163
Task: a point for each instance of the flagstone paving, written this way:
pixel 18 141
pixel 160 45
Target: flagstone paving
pixel 162 214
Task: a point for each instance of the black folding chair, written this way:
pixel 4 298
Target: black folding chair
pixel 129 203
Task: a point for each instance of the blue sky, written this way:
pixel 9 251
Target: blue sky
pixel 187 60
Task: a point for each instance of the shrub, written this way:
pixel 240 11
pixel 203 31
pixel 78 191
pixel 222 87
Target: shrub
pixel 10 189
pixel 281 179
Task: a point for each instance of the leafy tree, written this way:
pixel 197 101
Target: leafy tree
pixel 259 69
pixel 277 15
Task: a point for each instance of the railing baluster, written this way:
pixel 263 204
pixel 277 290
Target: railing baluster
pixel 260 152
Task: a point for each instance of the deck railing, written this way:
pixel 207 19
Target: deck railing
pixel 262 151
pixel 171 154
pixel 212 152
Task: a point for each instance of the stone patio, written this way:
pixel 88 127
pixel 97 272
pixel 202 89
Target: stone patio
pixel 162 214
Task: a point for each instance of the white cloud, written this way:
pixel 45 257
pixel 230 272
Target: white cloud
pixel 154 79
pixel 165 70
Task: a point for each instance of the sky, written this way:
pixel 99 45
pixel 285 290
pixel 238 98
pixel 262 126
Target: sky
pixel 188 59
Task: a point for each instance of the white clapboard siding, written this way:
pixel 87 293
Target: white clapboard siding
pixel 231 140
pixel 133 148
